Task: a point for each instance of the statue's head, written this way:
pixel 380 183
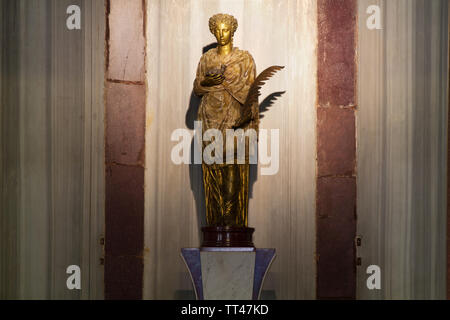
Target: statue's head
pixel 223 27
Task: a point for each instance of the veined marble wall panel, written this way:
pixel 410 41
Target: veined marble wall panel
pixel 282 206
pixel 402 148
pixel 52 149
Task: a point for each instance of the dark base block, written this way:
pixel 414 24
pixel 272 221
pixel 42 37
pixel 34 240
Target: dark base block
pixel 228 237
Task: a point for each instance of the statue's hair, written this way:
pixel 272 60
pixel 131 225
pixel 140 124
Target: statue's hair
pixel 225 18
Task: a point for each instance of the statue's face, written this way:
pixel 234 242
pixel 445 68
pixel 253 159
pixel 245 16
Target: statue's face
pixel 223 34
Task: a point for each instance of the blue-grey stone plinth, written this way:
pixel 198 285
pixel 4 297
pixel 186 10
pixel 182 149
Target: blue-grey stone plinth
pixel 227 273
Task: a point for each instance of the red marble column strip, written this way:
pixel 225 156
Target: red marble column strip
pixel 124 148
pixel 336 149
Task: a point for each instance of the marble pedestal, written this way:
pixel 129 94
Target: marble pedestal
pixel 224 273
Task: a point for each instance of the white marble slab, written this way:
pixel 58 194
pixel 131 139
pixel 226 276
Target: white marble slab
pixel 227 275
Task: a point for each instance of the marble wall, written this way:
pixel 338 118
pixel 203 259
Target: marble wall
pixel 402 148
pixel 52 146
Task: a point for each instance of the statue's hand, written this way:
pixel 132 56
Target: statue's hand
pixel 213 80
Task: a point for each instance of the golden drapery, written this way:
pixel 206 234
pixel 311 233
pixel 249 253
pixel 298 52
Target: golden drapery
pixel 226 185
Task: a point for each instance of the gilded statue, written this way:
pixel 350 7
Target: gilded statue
pixel 227 84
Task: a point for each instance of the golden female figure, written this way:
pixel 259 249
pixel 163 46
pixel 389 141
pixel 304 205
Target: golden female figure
pixel 224 77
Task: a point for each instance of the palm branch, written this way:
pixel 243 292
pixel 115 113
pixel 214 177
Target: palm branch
pixel 254 93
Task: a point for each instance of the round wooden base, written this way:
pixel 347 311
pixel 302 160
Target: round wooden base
pixel 227 237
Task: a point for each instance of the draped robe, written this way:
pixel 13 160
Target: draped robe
pixel 226 185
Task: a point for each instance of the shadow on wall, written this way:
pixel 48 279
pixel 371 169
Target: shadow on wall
pixel 195 170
